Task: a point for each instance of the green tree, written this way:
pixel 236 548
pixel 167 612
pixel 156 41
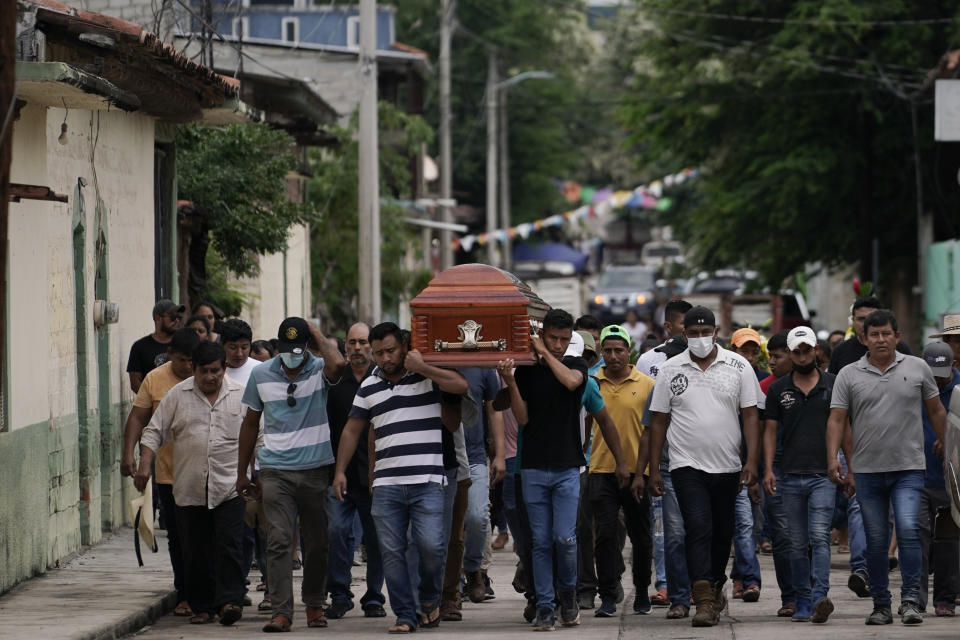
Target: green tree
pixel 801 114
pixel 237 176
pixel 334 236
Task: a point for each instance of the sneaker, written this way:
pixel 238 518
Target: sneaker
pixel 803 612
pixel 488 593
pixel 821 610
pixel 338 609
pixel 587 600
pixel 857 582
pixel 641 603
pixel 530 612
pixel 910 614
pixel 881 615
pixel 569 609
pixel 607 609
pixel 546 621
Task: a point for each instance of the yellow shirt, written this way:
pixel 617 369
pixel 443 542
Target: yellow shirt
pixel 625 403
pixel 155 385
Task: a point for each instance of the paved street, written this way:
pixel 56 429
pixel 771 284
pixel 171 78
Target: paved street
pixel 502 618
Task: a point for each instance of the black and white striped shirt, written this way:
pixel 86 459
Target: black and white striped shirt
pixel 407 428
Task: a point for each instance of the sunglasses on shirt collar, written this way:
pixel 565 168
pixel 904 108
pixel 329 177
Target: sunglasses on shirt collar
pixel 291 401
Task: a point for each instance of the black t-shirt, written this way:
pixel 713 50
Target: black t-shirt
pixel 803 423
pixel 147 354
pixel 551 437
pixel 339 401
pixel 851 350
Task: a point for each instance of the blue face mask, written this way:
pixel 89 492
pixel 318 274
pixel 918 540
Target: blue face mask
pixel 292 360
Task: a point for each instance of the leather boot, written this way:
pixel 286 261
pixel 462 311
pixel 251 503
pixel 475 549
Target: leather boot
pixel 719 603
pixel 704 598
pixel 476 590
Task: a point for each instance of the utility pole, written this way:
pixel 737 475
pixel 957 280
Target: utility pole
pixel 507 261
pixel 446 156
pixel 369 185
pixel 491 155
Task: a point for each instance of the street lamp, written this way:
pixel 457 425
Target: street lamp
pixel 497 100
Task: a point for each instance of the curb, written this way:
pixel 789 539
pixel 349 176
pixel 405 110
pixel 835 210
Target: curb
pixel 135 621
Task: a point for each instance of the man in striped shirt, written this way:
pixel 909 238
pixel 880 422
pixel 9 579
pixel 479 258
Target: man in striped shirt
pixel 401 399
pixel 290 393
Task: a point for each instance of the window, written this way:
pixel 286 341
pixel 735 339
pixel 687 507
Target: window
pixel 290 31
pixel 241 28
pixel 353 31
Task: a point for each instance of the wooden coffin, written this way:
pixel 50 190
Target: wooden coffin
pixel 474 315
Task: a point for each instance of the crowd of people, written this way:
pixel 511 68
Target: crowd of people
pixel 302 448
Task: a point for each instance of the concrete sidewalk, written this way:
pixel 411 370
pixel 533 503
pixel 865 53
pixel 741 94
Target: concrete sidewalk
pixel 100 594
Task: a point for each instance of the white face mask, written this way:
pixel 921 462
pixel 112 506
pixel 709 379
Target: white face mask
pixel 292 360
pixel 701 347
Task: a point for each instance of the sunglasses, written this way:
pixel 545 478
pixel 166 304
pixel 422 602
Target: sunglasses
pixel 291 401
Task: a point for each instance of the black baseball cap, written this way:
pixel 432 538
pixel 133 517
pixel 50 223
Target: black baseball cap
pixel 673 346
pixel 293 335
pixel 699 316
pixel 165 306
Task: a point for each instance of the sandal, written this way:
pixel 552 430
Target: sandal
pixel 402 627
pixel 660 599
pixel 203 618
pixel 678 611
pixel 751 593
pixel 277 625
pixel 737 589
pixel 430 616
pixel 945 611
pixel 315 617
pixel 183 610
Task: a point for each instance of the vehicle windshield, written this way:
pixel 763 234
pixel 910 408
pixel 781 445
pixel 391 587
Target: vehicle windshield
pixel 662 252
pixel 639 280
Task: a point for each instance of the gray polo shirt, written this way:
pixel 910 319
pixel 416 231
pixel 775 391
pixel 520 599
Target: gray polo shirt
pixel 885 412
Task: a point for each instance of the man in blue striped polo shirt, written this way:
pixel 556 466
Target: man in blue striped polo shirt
pixel 290 393
pixel 401 399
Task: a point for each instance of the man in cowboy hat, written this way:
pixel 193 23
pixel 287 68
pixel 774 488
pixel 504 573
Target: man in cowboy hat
pixel 951 335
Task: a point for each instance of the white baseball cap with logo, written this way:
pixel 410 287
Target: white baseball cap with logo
pixel 799 336
pixel 575 348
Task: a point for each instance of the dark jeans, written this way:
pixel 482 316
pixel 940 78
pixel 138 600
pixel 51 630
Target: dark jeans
pixel 606 500
pixel 519 524
pixel 213 554
pixel 357 501
pixel 169 508
pixel 776 517
pixel 707 501
pixel 586 542
pixel 943 555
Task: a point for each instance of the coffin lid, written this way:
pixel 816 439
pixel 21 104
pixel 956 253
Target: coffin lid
pixel 473 285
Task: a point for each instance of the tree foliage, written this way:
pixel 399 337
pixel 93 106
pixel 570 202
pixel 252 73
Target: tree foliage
pixel 236 175
pixel 333 192
pixel 800 114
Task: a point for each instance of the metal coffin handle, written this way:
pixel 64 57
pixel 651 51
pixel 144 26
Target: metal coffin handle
pixel 470 340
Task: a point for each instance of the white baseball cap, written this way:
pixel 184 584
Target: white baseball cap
pixel 575 348
pixel 799 336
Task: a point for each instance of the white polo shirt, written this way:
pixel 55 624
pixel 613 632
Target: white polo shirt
pixel 704 409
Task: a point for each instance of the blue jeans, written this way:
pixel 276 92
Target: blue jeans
pixel 808 500
pixel 413 553
pixel 341 519
pixel 855 535
pixel 477 521
pixel 552 499
pixel 746 567
pixel 656 532
pixel 418 508
pixel 776 518
pixel 674 545
pixel 876 492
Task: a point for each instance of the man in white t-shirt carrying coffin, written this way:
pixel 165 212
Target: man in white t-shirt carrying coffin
pixel 401 401
pixel 702 392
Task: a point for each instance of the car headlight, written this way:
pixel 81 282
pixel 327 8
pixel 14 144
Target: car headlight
pixel 641 299
pixel 600 300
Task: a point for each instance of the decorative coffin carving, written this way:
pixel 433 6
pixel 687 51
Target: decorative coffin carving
pixel 474 315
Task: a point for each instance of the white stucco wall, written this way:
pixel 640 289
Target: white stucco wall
pixel 266 309
pixel 113 152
